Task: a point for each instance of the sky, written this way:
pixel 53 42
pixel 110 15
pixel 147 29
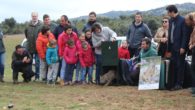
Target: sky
pixel 21 9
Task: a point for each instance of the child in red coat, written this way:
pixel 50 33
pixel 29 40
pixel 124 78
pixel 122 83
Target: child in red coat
pixel 123 52
pixel 86 58
pixel 79 48
pixel 71 58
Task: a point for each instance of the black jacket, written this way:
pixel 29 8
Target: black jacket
pixel 17 59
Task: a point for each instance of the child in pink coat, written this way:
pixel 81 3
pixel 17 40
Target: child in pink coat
pixel 71 58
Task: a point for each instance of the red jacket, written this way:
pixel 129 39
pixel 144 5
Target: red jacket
pixel 86 57
pixel 41 44
pixel 123 53
pixel 78 45
pixel 62 41
pixel 70 55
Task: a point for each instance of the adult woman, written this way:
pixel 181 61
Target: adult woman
pixel 161 36
pixel 99 35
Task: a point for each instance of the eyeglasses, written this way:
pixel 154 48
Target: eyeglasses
pixel 164 21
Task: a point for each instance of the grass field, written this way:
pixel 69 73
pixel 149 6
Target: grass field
pixel 39 96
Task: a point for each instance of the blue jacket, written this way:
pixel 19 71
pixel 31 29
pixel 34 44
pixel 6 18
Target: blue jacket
pixel 52 55
pixel 180 34
pixel 88 25
pixel 137 33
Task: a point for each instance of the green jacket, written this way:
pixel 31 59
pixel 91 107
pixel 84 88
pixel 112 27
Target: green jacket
pixel 148 53
pixel 31 33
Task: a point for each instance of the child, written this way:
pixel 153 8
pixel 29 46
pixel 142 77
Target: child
pixel 52 61
pixel 79 48
pixel 71 58
pixel 62 43
pixel 123 52
pixel 41 45
pixel 86 57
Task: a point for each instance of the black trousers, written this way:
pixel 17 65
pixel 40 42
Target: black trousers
pixel 26 70
pixel 133 51
pixel 178 65
pixel 193 67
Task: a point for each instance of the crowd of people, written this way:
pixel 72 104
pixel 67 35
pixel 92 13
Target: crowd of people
pixel 59 49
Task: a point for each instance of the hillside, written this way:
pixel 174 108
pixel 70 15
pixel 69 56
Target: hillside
pixel 185 7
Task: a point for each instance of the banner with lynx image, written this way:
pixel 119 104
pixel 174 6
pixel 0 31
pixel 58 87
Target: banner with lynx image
pixel 149 77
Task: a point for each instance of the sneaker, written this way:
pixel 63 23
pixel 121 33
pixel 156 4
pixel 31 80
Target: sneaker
pixel 15 82
pixel 71 83
pixel 1 80
pixel 66 83
pixel 49 82
pixel 84 82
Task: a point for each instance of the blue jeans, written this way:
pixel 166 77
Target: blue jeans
pixel 63 70
pixel 69 72
pixel 2 64
pixel 89 71
pixel 78 71
pixel 98 67
pixel 37 64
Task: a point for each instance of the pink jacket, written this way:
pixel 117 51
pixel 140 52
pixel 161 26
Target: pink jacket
pixel 62 41
pixel 70 55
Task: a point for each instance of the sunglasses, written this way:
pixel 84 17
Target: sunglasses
pixel 164 21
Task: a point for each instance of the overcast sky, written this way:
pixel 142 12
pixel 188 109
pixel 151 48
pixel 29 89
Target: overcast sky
pixel 21 9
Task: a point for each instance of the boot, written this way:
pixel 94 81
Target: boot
pixel 1 79
pixel 61 82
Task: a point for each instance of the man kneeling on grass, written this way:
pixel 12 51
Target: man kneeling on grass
pixel 21 62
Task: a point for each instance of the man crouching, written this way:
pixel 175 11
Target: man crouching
pixel 21 62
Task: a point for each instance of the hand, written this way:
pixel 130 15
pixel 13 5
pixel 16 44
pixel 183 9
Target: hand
pixel 24 59
pixel 113 39
pixel 28 60
pixel 182 51
pixel 168 54
pixel 164 40
pixel 190 47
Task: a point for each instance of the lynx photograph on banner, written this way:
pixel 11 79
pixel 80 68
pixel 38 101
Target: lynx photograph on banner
pixel 149 77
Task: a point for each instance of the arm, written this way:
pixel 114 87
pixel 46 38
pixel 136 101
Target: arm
pixel 147 31
pixel 39 49
pixel 81 59
pixel 48 57
pixel 186 31
pixel 96 43
pixel 128 55
pixel 157 38
pixel 113 34
pixel 15 61
pixel 61 46
pixel 128 34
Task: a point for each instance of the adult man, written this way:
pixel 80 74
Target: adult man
pixel 137 31
pixel 47 22
pixel 60 28
pixel 177 45
pixel 31 33
pixel 2 57
pixel 91 21
pixel 21 62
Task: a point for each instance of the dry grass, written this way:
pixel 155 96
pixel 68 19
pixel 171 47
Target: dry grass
pixel 39 96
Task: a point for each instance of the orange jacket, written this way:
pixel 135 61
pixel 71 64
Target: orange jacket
pixel 41 44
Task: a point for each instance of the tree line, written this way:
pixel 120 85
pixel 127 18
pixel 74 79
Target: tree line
pixel 120 25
